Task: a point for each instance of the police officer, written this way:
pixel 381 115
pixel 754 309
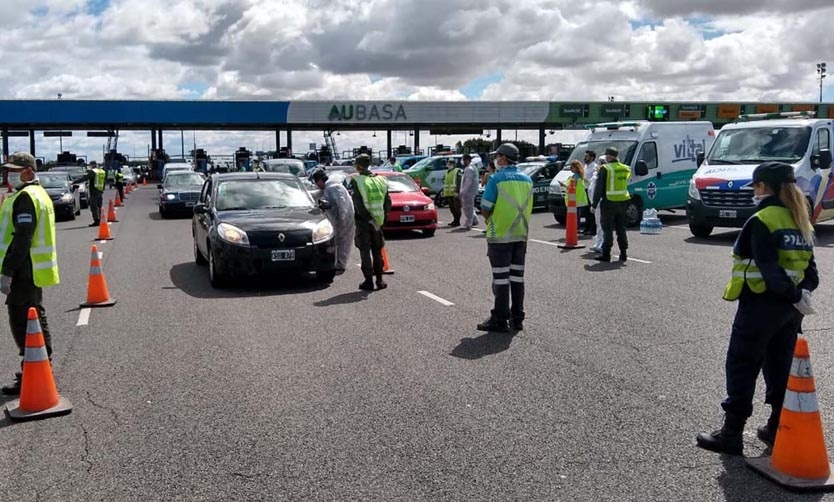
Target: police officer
pixel 371 204
pixel 507 204
pixel 451 189
pixel 95 179
pixel 611 196
pixel 120 183
pixel 28 255
pixel 773 276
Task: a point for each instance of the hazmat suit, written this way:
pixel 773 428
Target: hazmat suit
pixel 469 186
pixel 341 217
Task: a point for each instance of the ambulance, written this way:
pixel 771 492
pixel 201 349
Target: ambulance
pixel 662 157
pixel 721 192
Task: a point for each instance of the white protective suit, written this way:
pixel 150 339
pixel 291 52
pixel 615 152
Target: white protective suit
pixel 469 185
pixel 597 213
pixel 341 217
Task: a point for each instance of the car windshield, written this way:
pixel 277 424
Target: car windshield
pixel 529 168
pixel 625 147
pixel 759 144
pixel 421 164
pixel 57 180
pixel 401 184
pixel 262 194
pixel 183 180
pixel 74 172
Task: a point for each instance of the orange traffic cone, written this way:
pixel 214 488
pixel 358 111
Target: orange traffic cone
pixel 144 181
pixel 97 292
pixel 572 227
pixel 104 229
pixel 118 200
pixel 386 266
pixel 111 213
pixel 799 460
pixel 39 396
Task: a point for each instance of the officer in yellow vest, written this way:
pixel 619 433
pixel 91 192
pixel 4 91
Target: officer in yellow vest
pixel 27 253
pixel 772 278
pixel 95 177
pixel 611 196
pixel 451 190
pixel 506 205
pixel 371 204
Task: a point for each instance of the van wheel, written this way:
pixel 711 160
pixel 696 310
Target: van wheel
pixel 634 212
pixel 702 231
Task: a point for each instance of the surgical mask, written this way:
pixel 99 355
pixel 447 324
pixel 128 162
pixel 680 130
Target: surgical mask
pixel 14 179
pixel 757 199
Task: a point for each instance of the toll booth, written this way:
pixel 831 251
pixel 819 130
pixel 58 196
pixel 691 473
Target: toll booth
pixel 284 153
pixel 113 161
pixel 156 163
pixel 325 155
pixel 243 159
pixel 403 150
pixel 363 150
pixel 201 161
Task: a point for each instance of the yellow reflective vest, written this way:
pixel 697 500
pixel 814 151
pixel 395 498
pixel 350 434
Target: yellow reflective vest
pixel 43 252
pixel 581 193
pixel 616 182
pixel 450 182
pixel 373 190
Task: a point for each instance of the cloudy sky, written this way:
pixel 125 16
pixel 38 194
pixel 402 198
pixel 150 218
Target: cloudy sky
pixel 405 49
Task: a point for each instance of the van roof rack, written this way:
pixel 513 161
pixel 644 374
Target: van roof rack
pixel 778 115
pixel 613 126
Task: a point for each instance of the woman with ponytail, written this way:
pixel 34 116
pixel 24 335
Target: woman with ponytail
pixel 773 276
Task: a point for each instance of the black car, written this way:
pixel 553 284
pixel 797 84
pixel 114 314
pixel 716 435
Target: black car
pixel 179 192
pixel 76 172
pixel 64 195
pixel 247 224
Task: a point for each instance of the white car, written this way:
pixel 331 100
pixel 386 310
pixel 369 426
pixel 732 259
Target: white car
pixel 175 166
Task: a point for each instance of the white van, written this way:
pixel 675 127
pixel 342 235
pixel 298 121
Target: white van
pixel 721 192
pixel 662 157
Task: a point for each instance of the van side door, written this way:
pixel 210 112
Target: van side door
pixel 647 187
pixel 824 196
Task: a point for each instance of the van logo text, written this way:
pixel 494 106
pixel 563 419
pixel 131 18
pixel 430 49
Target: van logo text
pixel 687 150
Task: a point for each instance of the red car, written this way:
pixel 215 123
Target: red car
pixel 411 208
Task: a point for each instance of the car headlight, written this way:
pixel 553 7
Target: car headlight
pixel 67 197
pixel 322 232
pixel 232 234
pixel 430 207
pixel 170 196
pixel 693 190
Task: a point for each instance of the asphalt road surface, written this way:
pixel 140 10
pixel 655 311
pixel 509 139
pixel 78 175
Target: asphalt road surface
pixel 288 389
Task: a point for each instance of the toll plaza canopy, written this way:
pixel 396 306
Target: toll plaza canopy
pixel 445 117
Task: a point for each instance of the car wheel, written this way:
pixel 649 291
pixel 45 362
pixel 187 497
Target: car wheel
pixel 199 259
pixel 216 278
pixel 72 216
pixel 162 213
pixel 702 231
pixel 325 275
pixel 634 212
pixel 429 233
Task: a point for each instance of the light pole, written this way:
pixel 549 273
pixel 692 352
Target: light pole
pixel 821 73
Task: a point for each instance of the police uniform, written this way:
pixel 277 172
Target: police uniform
pixel 371 204
pixel 611 197
pixel 28 256
pixel 508 197
pixel 95 178
pixel 772 265
pixel 120 184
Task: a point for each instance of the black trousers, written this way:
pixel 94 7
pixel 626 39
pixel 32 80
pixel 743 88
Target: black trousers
pixel 613 220
pixel 507 261
pixel 590 221
pixel 95 205
pixel 120 187
pixel 763 339
pixel 454 207
pixel 19 318
pixel 370 242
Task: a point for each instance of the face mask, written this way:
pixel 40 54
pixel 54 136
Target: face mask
pixel 14 179
pixel 757 199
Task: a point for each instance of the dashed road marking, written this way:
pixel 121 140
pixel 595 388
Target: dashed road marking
pixel 436 298
pixel 612 257
pixel 544 242
pixel 681 227
pixel 83 317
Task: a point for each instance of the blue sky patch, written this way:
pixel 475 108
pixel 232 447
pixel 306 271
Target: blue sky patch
pixel 194 89
pixel 475 88
pixel 96 7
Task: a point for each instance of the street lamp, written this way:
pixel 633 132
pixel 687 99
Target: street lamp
pixel 821 73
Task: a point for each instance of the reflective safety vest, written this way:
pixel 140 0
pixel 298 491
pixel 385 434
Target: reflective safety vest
pixel 373 190
pixel 581 193
pixel 793 254
pixel 120 177
pixel 100 179
pixel 450 182
pixel 510 218
pixel 616 186
pixel 43 253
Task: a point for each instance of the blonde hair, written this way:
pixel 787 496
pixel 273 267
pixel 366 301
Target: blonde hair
pixel 575 164
pixel 793 199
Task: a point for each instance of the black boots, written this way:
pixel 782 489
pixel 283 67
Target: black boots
pixel 13 389
pixel 623 256
pixel 767 432
pixel 380 284
pixel 368 285
pixel 494 325
pixel 727 439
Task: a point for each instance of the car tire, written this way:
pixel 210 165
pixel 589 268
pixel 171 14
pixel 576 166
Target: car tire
pixel 325 276
pixel 216 278
pixel 162 213
pixel 702 231
pixel 634 212
pixel 429 232
pixel 199 259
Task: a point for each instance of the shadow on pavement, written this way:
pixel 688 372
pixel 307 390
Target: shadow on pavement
pixel 193 281
pixel 74 228
pixel 605 266
pixel 740 484
pixel 155 216
pixel 485 345
pixel 343 299
pixel 723 239
pixel 404 235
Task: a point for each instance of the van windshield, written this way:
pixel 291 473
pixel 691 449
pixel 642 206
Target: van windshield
pixel 760 144
pixel 626 149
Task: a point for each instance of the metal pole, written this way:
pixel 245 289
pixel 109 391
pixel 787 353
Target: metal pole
pixel 390 146
pixel 32 142
pixel 182 144
pixel 5 144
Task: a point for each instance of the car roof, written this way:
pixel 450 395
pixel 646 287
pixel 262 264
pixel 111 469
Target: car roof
pixel 253 176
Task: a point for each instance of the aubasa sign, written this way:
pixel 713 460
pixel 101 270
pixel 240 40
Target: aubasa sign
pixel 367 113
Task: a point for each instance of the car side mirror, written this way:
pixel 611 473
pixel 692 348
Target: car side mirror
pixel 699 159
pixel 200 208
pixel 425 190
pixel 821 160
pixel 324 205
pixel 641 169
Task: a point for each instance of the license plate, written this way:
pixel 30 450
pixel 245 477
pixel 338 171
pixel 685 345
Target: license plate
pixel 283 254
pixel 728 213
pixel 407 218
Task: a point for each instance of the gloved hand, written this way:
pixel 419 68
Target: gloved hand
pixel 5 284
pixel 804 305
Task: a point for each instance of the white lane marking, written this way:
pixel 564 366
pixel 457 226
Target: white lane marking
pixel 102 242
pixel 436 298
pixel 632 259
pixel 612 257
pixel 545 242
pixel 83 317
pixel 681 227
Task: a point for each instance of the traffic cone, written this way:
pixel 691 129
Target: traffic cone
pixel 799 460
pixel 144 181
pixel 111 213
pixel 104 229
pixel 118 200
pixel 39 396
pixel 97 293
pixel 572 228
pixel 386 266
